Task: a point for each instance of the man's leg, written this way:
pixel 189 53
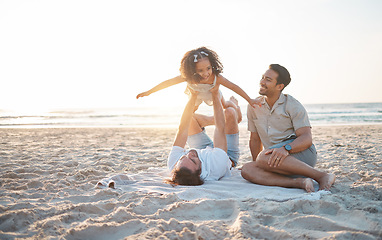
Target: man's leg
pixel 260 172
pixel 237 108
pixel 232 102
pixel 198 122
pixel 202 121
pixel 231 123
pixel 197 137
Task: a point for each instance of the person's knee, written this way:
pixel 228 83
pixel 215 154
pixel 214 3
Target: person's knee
pixel 230 114
pixel 245 171
pixel 231 126
pixel 262 159
pixel 249 172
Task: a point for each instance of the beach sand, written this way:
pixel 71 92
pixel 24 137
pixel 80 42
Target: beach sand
pixel 48 177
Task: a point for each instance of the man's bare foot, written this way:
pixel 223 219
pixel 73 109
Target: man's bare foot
pixel 307 184
pixel 238 110
pixel 326 181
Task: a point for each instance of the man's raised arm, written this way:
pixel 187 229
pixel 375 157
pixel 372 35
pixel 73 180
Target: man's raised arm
pixel 182 134
pixel 220 140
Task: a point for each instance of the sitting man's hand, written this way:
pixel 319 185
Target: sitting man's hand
pixel 277 157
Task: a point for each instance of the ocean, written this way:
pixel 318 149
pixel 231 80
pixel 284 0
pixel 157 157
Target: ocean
pixel 164 117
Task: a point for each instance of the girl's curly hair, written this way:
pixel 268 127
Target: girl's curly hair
pixel 188 66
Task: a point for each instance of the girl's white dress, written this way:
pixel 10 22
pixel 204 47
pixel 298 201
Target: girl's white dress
pixel 204 92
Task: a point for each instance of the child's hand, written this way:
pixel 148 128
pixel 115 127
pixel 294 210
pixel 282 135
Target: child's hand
pixel 144 94
pixel 256 102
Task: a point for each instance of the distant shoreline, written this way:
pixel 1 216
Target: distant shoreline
pixel 168 117
pixel 242 127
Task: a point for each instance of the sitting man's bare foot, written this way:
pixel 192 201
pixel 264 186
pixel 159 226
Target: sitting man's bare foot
pixel 307 184
pixel 327 181
pixel 238 110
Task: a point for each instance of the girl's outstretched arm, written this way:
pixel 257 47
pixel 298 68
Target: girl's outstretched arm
pixel 162 85
pixel 228 84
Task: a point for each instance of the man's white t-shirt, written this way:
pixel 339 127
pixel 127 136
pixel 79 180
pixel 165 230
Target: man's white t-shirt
pixel 215 162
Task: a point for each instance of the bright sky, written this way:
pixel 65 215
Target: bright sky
pixel 89 53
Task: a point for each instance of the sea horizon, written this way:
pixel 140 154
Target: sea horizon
pixel 164 117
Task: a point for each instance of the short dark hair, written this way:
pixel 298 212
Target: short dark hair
pixel 188 65
pixel 184 176
pixel 284 76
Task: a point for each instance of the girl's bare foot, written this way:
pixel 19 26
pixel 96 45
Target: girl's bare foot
pixel 327 181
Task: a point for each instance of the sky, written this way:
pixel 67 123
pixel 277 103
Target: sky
pixel 90 53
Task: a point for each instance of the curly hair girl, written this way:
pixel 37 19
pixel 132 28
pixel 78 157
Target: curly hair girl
pixel 201 69
pixel 189 60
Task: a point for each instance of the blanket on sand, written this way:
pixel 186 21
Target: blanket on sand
pixel 234 187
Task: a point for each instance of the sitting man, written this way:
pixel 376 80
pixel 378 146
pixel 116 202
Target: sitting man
pixel 206 160
pixel 282 126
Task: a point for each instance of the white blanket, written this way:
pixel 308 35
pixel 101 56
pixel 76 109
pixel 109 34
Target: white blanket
pixel 151 181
